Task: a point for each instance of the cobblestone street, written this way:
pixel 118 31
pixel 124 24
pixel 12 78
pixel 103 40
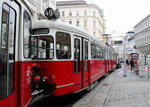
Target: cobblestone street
pixel 119 91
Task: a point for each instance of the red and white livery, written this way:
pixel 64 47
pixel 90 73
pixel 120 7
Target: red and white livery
pixel 68 57
pixel 15 61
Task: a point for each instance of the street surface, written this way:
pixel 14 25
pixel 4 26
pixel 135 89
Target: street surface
pixel 112 91
pixel 119 91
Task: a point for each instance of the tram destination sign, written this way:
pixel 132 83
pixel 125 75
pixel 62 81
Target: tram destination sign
pixel 118 42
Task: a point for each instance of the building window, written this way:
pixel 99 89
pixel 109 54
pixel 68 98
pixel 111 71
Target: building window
pixel 77 14
pixel 94 23
pixel 77 23
pixel 70 22
pixel 94 13
pixel 85 12
pixel 45 4
pixel 63 13
pixel 70 13
pixel 85 23
pixel 94 33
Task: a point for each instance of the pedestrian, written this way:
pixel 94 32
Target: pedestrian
pixel 132 64
pixel 127 63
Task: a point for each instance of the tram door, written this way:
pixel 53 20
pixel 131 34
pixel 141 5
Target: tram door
pixel 85 72
pixel 106 61
pixel 80 62
pixel 8 18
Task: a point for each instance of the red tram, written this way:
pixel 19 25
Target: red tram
pixel 15 61
pixel 69 57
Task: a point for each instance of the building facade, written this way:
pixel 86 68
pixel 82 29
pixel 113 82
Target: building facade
pixel 86 16
pixel 142 36
pixel 38 7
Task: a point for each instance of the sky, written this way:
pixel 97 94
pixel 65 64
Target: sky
pixel 122 15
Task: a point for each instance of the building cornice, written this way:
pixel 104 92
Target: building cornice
pixel 77 6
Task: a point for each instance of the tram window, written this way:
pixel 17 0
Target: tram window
pixel 86 50
pixel 7 51
pixel 42 47
pixel 27 28
pixel 98 52
pixel 101 53
pixel 93 50
pixel 63 45
pixel 85 62
pixel 76 55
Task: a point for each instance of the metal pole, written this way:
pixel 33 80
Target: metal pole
pixel 124 59
pixel 124 64
pixel 148 71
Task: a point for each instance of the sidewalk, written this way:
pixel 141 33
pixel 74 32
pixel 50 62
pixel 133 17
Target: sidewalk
pixel 119 91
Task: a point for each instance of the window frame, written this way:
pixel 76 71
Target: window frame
pixel 63 13
pixel 77 61
pixel 70 13
pixel 9 84
pixel 69 49
pixel 24 35
pixel 77 23
pixel 37 52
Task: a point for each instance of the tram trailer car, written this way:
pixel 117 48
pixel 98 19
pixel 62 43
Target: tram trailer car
pixel 69 57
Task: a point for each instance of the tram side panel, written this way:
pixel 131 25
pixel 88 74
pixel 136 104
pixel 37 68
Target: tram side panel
pixel 97 62
pixel 97 70
pixel 62 73
pixel 24 82
pixel 114 64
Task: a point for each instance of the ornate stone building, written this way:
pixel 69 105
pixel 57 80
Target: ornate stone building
pixel 142 36
pixel 86 16
pixel 38 7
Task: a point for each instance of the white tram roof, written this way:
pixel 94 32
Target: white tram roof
pixel 67 27
pixel 63 26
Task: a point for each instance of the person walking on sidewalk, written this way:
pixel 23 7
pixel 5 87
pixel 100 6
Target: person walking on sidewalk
pixel 127 63
pixel 132 64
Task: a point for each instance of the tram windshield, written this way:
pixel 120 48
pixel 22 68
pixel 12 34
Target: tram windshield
pixel 42 47
pixel 27 28
pixel 7 47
